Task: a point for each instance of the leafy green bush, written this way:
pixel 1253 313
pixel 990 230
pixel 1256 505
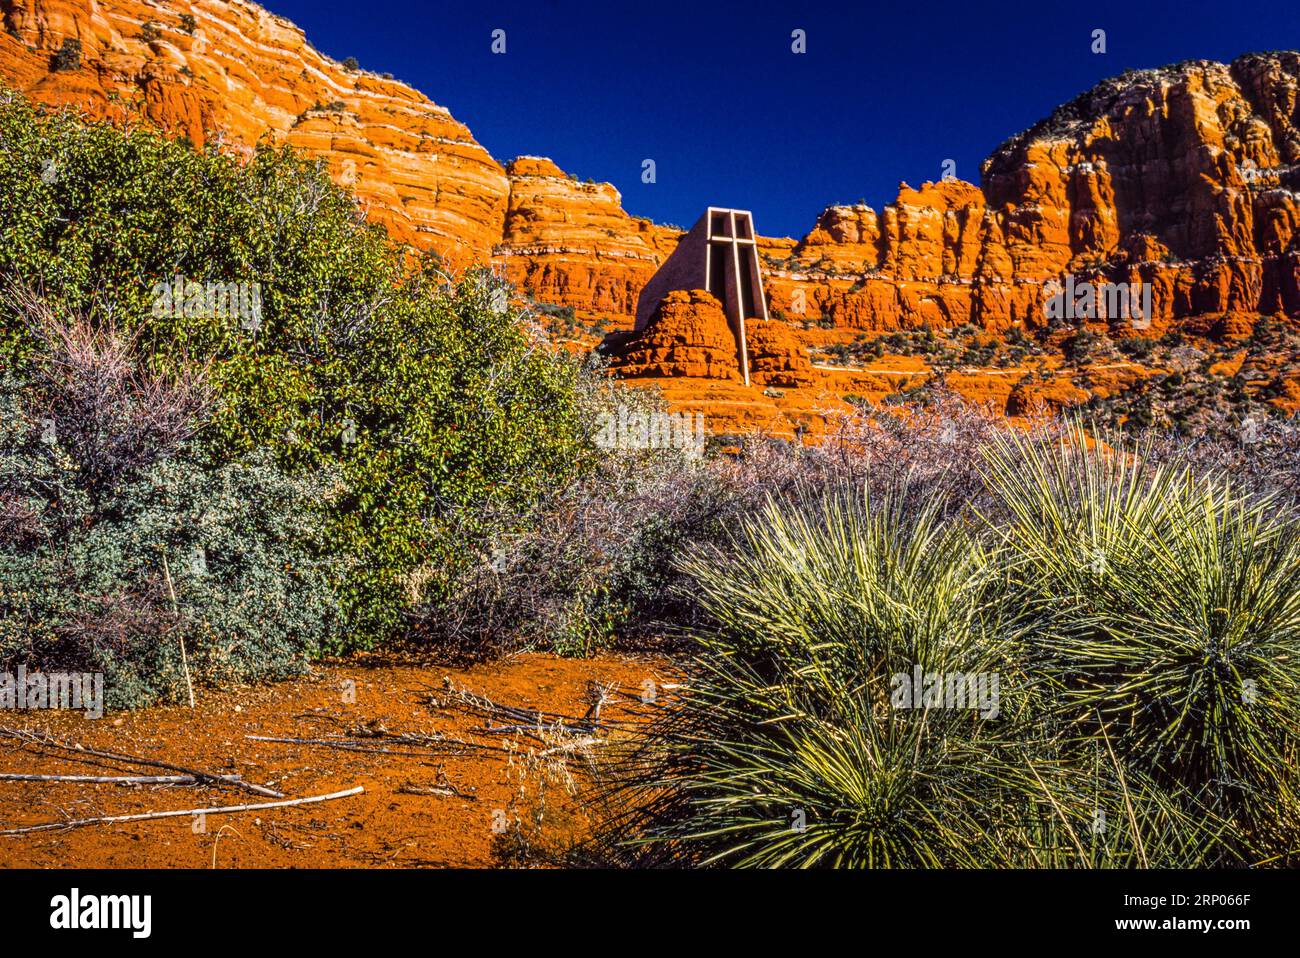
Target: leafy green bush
pixel 68 58
pixel 250 602
pixel 426 396
pixel 1079 348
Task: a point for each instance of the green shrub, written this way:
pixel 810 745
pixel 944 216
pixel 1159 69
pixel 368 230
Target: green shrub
pixel 1166 615
pixel 251 604
pixel 425 395
pixel 1078 349
pixel 68 58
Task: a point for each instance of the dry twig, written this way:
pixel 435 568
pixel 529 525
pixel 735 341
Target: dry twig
pixel 145 816
pixel 46 741
pixel 112 779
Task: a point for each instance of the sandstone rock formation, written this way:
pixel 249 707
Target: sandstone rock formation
pixel 1187 177
pixel 1034 398
pixel 845 237
pixel 571 244
pixel 235 73
pixel 776 357
pixel 687 336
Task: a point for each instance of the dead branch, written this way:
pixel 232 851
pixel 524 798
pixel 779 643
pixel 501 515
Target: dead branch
pixel 443 786
pixel 518 719
pixel 599 693
pixel 112 779
pixel 46 741
pixel 145 816
pixel 176 614
pixel 348 745
pixel 374 728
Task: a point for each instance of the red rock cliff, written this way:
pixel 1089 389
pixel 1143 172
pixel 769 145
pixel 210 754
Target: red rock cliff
pixel 231 70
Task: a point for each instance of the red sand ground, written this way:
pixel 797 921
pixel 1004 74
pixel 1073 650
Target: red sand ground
pixel 417 810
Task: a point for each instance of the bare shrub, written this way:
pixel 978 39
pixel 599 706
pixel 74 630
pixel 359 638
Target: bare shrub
pixel 597 561
pixel 19 522
pixel 931 450
pixel 112 417
pixel 1261 457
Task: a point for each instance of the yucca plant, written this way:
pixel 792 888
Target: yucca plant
pixel 1084 813
pixel 1143 622
pixel 854 585
pixel 1165 611
pixel 789 747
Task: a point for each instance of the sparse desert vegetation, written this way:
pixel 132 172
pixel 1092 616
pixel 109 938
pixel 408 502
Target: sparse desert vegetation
pixel 203 488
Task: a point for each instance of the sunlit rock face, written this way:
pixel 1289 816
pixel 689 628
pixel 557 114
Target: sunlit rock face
pixel 232 71
pixel 1186 177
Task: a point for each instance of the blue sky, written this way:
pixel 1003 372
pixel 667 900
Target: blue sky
pixel 731 116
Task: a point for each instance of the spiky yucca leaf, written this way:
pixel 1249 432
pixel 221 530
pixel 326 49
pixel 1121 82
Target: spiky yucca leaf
pixel 860 585
pixel 1095 815
pixel 787 750
pixel 1164 606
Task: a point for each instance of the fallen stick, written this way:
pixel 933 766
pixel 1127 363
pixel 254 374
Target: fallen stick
pixel 444 790
pixel 144 816
pixel 411 738
pixel 525 728
pixel 111 779
pixel 523 718
pixel 443 786
pixel 48 742
pixel 344 746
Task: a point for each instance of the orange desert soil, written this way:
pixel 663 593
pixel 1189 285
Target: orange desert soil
pixel 425 810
